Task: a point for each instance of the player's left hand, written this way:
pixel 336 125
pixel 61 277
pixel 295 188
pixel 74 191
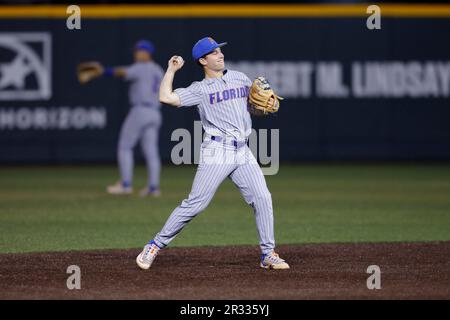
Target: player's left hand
pixel 87 71
pixel 272 103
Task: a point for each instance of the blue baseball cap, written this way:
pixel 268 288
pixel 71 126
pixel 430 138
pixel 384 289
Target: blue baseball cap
pixel 205 46
pixel 145 45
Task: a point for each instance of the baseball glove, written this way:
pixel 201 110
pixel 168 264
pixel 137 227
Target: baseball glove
pixel 258 98
pixel 86 71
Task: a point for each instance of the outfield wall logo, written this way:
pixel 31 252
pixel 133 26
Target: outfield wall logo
pixel 25 66
pixel 53 118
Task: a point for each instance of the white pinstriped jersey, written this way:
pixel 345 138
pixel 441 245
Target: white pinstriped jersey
pixel 145 78
pixel 222 104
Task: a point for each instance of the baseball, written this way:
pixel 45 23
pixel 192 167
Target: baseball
pixel 178 60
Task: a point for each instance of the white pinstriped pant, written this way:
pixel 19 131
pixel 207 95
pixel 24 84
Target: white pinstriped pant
pixel 218 161
pixel 141 123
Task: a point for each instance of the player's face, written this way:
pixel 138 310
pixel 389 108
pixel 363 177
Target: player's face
pixel 215 60
pixel 141 56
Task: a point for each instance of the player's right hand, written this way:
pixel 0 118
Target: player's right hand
pixel 175 63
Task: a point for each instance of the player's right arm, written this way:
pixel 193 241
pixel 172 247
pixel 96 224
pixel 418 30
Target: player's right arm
pixel 166 93
pixel 119 72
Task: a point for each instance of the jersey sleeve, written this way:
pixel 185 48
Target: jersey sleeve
pixel 190 96
pixel 132 72
pixel 247 80
pixel 157 80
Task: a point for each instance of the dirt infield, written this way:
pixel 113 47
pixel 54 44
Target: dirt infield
pixel 325 271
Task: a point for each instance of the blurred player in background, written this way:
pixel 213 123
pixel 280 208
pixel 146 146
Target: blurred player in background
pixel 143 120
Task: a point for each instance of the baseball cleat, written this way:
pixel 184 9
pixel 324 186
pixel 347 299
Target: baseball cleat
pixel 273 261
pixel 119 188
pixel 145 259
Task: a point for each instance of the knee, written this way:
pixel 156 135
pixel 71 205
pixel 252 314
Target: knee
pixel 196 203
pixel 264 195
pixel 124 145
pixel 150 150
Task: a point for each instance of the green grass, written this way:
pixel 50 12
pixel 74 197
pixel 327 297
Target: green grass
pixel 66 208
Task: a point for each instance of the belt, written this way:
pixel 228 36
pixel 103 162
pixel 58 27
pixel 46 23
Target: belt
pixel 146 105
pixel 234 143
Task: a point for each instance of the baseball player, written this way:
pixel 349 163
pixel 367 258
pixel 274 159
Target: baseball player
pixel 143 120
pixel 221 98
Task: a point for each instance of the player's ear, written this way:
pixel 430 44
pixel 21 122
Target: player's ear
pixel 202 61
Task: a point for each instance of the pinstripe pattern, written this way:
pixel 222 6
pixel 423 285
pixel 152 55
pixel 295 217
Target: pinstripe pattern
pixel 222 104
pixel 144 78
pixel 142 122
